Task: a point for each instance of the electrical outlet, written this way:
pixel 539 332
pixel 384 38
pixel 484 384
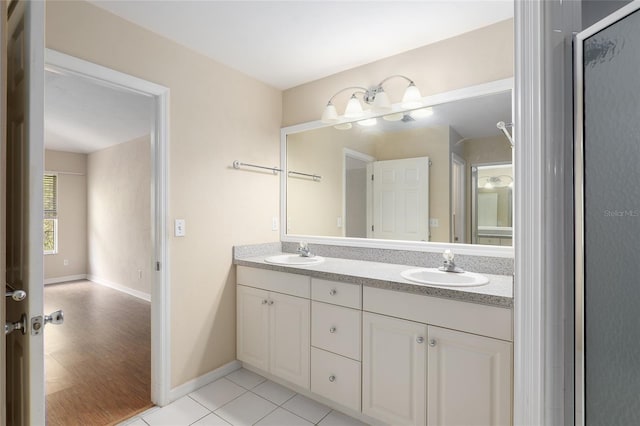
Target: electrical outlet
pixel 339 222
pixel 65 262
pixel 434 223
pixel 274 223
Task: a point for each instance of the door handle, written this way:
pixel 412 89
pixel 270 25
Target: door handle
pixel 21 325
pixel 17 295
pixel 56 318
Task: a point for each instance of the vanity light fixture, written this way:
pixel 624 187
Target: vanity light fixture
pixel 375 96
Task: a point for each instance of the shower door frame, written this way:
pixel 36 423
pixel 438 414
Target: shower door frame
pixel 579 330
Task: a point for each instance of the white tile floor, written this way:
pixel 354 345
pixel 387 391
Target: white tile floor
pixel 243 398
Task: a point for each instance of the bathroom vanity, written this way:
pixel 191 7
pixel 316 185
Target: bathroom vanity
pixel 358 336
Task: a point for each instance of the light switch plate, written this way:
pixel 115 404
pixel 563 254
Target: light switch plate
pixel 180 230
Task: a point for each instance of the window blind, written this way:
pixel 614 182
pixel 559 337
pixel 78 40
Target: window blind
pixel 50 194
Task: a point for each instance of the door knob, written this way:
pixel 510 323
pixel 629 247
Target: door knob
pixel 18 325
pixel 16 295
pixel 56 317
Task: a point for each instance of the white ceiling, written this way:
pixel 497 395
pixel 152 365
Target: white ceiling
pixel 288 43
pixel 84 116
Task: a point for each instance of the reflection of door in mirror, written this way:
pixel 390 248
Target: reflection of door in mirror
pixel 400 199
pixel 492 215
pixel 355 193
pixel 458 215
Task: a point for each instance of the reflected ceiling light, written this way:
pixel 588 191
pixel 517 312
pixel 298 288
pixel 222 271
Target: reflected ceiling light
pixel 491 182
pixel 368 122
pixel 376 96
pixel 343 126
pixel 421 113
pixel 396 116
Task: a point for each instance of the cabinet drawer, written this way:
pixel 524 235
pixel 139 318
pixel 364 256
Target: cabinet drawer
pixel 281 282
pixel 336 329
pixel 336 378
pixel 337 293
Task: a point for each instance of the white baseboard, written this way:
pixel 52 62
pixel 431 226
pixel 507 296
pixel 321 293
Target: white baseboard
pixel 106 283
pixel 65 279
pixel 195 384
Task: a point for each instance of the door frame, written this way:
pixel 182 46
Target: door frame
pixel 458 164
pixel 357 155
pixel 160 289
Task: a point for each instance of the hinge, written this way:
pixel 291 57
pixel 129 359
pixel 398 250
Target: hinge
pixel 371 228
pixel 157 266
pixel 371 177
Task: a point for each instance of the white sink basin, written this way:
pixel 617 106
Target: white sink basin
pixel 294 259
pixel 433 276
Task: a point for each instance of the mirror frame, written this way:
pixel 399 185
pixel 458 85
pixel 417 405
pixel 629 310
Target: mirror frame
pixel 426 246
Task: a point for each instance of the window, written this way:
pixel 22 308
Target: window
pixel 50 225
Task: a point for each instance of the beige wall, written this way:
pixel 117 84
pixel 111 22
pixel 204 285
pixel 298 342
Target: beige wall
pixel 476 57
pixel 119 215
pixel 217 115
pixel 72 214
pixel 314 207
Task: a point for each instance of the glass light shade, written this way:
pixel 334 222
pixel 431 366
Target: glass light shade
pixel 368 122
pixel 354 108
pixel 421 113
pixel 329 115
pixel 381 103
pixel 396 116
pixel 488 185
pixel 412 97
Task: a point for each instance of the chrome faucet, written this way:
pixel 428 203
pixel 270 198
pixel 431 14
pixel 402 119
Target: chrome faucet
pixel 304 251
pixel 449 265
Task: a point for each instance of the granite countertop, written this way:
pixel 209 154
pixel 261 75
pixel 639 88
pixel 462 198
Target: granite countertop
pixel 498 292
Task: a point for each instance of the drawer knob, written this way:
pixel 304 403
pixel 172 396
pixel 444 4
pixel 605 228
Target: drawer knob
pixel 270 302
pixel 332 330
pixel 432 343
pixel 333 292
pixel 420 339
pixel 332 378
pixel 264 302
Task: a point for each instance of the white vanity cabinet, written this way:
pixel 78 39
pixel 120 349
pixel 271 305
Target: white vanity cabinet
pixel 397 357
pixel 418 371
pixel 394 363
pixel 469 379
pixel 336 330
pixel 273 327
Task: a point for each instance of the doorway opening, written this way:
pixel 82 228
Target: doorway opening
pixel 105 152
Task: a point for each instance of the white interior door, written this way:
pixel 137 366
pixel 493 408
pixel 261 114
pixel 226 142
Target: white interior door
pixel 401 199
pixel 25 122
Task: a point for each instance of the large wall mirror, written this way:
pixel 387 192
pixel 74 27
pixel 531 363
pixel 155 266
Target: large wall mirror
pixel 441 174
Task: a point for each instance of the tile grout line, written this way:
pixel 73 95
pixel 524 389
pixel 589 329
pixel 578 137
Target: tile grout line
pixel 325 416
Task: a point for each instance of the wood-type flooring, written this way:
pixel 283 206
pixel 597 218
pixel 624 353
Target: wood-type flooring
pixel 98 363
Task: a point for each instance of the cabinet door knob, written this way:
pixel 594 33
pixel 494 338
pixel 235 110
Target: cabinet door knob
pixel 264 302
pixel 432 342
pixel 332 378
pixel 420 339
pixel 333 292
pixel 270 302
pixel 332 330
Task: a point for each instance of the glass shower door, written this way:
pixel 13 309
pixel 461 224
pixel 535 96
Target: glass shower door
pixel 608 221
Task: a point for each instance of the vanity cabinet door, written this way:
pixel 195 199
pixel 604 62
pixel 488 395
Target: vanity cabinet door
pixel 290 341
pixel 469 379
pixel 253 326
pixel 394 377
